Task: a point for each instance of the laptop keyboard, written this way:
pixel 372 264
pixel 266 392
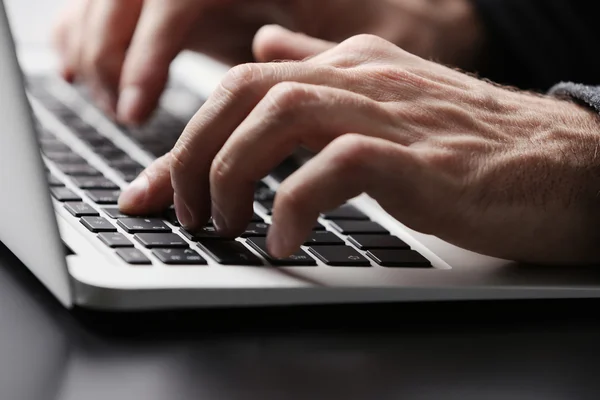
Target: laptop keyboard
pixel 342 237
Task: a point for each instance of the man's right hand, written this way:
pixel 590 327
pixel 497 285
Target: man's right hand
pixel 122 49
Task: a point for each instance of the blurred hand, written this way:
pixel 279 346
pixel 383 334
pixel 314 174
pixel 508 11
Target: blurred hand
pixel 122 49
pixel 504 173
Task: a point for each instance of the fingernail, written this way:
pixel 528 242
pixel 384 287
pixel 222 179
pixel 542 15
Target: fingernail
pixel 184 215
pixel 130 103
pixel 276 241
pixel 135 193
pixel 218 220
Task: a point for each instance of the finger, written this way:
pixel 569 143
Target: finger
pixel 60 41
pixel 348 166
pixel 239 92
pixel 160 35
pixel 151 192
pixel 273 42
pixel 75 40
pixel 291 114
pixel 110 27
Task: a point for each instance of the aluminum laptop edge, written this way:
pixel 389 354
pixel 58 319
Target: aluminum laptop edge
pixel 80 271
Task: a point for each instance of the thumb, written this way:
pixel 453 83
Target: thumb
pixel 273 42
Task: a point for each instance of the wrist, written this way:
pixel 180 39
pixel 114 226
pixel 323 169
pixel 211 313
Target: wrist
pixel 567 209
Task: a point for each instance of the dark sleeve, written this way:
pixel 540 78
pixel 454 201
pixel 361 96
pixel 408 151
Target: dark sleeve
pixel 533 44
pixel 585 95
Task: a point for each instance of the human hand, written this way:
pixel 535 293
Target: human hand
pixel 122 49
pixel 500 172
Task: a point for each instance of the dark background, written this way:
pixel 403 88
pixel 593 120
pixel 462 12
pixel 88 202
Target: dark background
pixel 489 350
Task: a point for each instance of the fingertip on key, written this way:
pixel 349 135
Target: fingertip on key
pixel 134 195
pixel 277 243
pixel 184 214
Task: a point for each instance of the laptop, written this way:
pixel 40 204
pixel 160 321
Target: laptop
pixel 63 164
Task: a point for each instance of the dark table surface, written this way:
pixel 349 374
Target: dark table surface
pixel 514 350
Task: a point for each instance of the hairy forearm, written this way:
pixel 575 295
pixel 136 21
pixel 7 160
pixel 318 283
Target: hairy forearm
pixel 548 181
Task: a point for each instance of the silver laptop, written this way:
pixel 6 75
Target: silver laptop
pixel 63 163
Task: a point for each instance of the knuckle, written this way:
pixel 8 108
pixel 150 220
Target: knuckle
pixel 181 154
pixel 180 157
pixel 487 99
pixel 349 153
pixel 288 97
pixel 365 40
pixel 219 170
pixel 242 78
pixel 446 158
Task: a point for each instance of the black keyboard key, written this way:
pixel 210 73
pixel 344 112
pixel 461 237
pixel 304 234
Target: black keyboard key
pixel 260 185
pixel 323 237
pixel 399 258
pixel 97 140
pixel 318 227
pixel 156 148
pixel 345 212
pixel 366 242
pixel 78 169
pixel 171 217
pixel 104 196
pixel 77 124
pixel 208 232
pixel 54 181
pixel 114 213
pixel 165 240
pixel 53 145
pixel 179 257
pixel 256 229
pixel 109 152
pixel 64 194
pixel 257 218
pixel 339 256
pixel 81 210
pixel 357 227
pixel 97 224
pixel 94 182
pixel 65 158
pixel 129 176
pixel 230 252
pixel 143 225
pixel 115 239
pixel 300 258
pixel 124 164
pixel 132 255
pixel 267 206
